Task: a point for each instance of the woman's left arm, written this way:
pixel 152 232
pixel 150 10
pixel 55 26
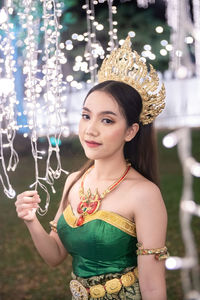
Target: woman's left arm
pixel 151 225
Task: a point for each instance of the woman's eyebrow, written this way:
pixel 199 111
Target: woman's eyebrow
pixel 105 112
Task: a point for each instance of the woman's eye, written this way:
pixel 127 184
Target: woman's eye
pixel 85 116
pixel 107 121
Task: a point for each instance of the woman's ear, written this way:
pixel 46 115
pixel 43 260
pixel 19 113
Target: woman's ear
pixel 131 132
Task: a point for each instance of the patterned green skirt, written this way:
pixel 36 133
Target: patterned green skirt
pixel 126 293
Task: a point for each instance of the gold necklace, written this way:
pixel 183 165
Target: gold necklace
pixel 90 203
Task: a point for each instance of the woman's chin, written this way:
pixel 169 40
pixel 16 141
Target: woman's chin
pixel 92 156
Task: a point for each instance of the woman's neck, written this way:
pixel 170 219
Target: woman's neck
pixel 104 170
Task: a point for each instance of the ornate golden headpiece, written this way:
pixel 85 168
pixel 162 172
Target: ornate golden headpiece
pixel 128 67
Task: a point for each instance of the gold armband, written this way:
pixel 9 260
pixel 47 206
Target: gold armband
pixel 160 253
pixel 53 226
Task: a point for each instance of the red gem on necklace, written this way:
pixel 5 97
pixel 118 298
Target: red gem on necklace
pixel 92 207
pixel 80 221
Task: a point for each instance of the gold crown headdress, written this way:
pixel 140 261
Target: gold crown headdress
pixel 128 67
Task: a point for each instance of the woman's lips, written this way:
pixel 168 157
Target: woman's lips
pixel 92 144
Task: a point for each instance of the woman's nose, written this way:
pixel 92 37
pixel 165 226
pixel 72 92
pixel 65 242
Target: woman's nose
pixel 92 128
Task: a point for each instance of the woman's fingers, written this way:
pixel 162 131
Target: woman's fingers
pixel 34 199
pixel 27 204
pixel 26 198
pixel 29 193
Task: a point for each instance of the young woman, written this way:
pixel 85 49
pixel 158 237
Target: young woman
pixel 112 218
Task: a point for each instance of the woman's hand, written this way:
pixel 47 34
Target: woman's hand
pixel 27 204
pixel 50 247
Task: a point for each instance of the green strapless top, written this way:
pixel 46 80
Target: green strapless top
pixel 105 243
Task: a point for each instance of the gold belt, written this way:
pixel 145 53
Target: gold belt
pixel 79 292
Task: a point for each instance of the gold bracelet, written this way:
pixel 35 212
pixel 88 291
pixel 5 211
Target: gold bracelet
pixel 160 253
pixel 53 225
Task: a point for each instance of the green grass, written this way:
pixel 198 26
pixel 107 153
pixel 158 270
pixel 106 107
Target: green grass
pixel 24 275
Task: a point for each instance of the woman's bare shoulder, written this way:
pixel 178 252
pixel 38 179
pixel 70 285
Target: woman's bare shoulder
pixel 147 187
pixel 145 194
pixel 142 187
pixel 149 201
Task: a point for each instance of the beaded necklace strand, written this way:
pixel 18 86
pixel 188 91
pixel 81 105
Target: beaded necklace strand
pixel 90 203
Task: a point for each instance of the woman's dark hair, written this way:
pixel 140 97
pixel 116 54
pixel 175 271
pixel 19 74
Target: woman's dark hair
pixel 141 151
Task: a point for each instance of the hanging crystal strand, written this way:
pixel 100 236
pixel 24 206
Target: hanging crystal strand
pixel 7 188
pixel 196 15
pixel 50 104
pixel 89 51
pixel 144 3
pixel 113 42
pixel 178 15
pixel 93 48
pixel 94 43
pixel 7 101
pixel 53 86
pixel 31 92
pixel 189 264
pixel 189 283
pixel 178 19
pixel 173 21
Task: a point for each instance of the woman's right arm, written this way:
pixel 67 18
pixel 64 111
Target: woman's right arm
pixel 49 246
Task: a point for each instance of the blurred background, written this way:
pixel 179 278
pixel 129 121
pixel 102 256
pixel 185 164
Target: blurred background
pixel 50 52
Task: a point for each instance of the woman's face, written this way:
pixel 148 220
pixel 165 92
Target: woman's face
pixel 103 129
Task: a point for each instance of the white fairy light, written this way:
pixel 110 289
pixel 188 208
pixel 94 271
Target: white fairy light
pixel 74 36
pixel 194 166
pixel 78 58
pixel 80 38
pixel 69 78
pixel 69 47
pixel 121 42
pixel 145 53
pixel 163 52
pixel 169 47
pixel 181 72
pixel 99 27
pixel 147 47
pixel 179 53
pixel 164 43
pixel 189 39
pixel 152 56
pixel 159 29
pixel 131 34
pixel 170 140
